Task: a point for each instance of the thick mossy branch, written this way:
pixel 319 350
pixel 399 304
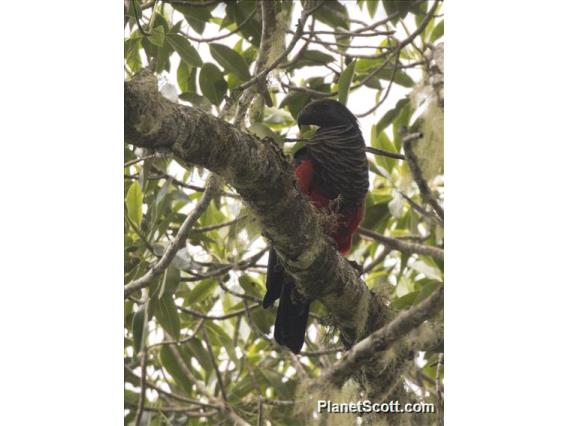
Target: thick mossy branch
pixel 264 178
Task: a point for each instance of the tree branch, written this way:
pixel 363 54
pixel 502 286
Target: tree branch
pixel 161 265
pixel 417 173
pixel 404 246
pixel 381 339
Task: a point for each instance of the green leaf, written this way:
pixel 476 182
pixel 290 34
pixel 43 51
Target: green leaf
pixel 212 83
pixel 183 77
pixel 345 81
pixel 184 49
pixel 134 203
pixel 437 32
pixel 197 350
pixel 219 338
pixel 334 14
pixel 250 286
pixel 372 7
pixel 167 315
pixel 430 271
pixel 170 282
pixel 390 115
pixel 295 101
pixel 262 131
pixel 202 291
pixel 230 60
pixel 139 320
pixel 132 48
pixel 196 17
pixel 312 58
pixel 400 6
pixel 157 36
pixel 195 99
pixel 169 362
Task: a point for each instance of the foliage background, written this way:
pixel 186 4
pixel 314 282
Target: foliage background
pixel 207 300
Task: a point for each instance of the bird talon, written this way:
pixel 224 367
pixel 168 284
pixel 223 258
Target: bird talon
pixel 356 266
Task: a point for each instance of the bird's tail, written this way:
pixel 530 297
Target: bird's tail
pixel 292 313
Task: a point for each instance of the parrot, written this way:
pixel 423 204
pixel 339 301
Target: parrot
pixel 333 172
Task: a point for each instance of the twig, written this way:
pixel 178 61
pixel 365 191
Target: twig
pixel 142 398
pixel 222 406
pixel 380 258
pixel 384 97
pixel 222 36
pixel 382 152
pixel 299 29
pixel 214 362
pixel 138 160
pixel 260 412
pixel 161 265
pixel 278 402
pixel 404 246
pixel 186 411
pixel 216 317
pixel 381 339
pixel 417 173
pixel 322 352
pixel 219 225
pixel 439 397
pixel 426 214
pixel 168 394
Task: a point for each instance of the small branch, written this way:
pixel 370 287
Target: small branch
pixel 215 366
pixel 381 339
pixel 138 160
pixel 260 421
pixel 219 225
pixel 161 265
pixel 222 406
pixel 322 352
pixel 278 402
pixel 168 394
pixel 222 36
pixel 380 259
pixel 384 97
pixel 299 31
pixel 216 317
pixel 439 397
pixel 142 399
pixel 426 214
pixel 186 411
pixel 404 246
pixel 382 152
pixel 417 173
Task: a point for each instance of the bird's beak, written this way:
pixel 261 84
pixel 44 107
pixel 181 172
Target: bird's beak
pixel 301 120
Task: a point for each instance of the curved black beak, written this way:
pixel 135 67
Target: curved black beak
pixel 302 119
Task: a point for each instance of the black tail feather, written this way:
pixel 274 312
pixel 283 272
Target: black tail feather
pixel 291 319
pixel 274 280
pixel 292 314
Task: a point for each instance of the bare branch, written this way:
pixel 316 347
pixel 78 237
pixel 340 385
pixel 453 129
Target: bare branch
pixel 404 246
pixel 299 31
pixel 417 173
pixel 161 265
pixel 215 366
pixel 142 399
pixel 221 405
pixel 222 36
pixel 382 152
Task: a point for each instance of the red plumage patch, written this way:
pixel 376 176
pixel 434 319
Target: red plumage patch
pixel 348 223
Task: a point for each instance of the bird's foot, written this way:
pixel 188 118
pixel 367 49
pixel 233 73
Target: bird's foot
pixel 356 266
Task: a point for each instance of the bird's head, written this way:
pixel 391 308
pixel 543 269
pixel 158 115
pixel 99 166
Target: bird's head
pixel 326 113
